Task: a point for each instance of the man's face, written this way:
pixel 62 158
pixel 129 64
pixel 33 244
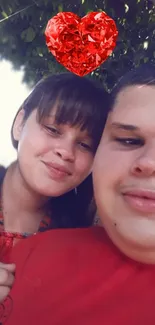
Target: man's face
pixel 124 173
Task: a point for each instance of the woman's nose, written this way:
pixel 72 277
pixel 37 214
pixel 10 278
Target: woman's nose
pixel 66 153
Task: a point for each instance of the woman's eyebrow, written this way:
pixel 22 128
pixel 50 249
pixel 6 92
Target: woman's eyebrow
pixel 51 115
pixel 127 127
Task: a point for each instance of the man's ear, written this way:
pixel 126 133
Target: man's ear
pixel 18 125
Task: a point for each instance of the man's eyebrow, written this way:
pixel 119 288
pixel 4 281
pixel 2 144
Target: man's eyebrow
pixel 122 126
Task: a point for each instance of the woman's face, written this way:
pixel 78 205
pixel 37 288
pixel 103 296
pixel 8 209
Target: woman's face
pixel 124 173
pixel 52 159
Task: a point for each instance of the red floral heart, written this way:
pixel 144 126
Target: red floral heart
pixel 81 44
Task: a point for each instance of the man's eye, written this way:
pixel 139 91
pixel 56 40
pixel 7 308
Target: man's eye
pixel 137 142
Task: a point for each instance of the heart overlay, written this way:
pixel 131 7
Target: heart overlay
pixel 81 44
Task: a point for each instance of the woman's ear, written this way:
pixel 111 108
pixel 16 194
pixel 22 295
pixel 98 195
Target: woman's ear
pixel 18 125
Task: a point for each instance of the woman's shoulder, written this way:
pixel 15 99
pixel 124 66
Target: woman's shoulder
pixel 2 173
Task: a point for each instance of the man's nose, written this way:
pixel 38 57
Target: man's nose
pixel 144 165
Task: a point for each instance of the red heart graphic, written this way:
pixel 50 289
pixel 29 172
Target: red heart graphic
pixel 81 44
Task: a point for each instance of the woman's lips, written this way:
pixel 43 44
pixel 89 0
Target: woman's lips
pixel 57 172
pixel 141 200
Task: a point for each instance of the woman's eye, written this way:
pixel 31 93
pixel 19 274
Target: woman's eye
pixel 137 142
pixel 86 146
pixel 51 130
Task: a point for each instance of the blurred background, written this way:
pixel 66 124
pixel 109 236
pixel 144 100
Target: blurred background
pixel 24 57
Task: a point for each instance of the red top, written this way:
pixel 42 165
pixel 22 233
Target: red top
pixel 77 277
pixel 9 239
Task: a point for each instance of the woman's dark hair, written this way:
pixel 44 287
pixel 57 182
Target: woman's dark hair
pixel 79 102
pixel 143 75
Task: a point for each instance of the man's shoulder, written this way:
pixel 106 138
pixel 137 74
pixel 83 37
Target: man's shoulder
pixel 61 244
pixel 66 239
pixel 77 239
pixel 76 235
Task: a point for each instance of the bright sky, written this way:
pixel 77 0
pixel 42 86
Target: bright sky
pixel 12 93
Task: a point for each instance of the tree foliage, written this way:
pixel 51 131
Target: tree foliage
pixel 23 23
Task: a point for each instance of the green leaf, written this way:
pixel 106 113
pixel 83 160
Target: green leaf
pixel 60 7
pixel 146 60
pixel 4 14
pixel 89 10
pixel 28 35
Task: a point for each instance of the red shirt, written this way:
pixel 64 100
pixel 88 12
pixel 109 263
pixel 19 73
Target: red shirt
pixel 77 277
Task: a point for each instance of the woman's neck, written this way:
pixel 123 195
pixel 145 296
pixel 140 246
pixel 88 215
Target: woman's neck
pixel 23 209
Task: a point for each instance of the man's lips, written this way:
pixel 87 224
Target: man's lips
pixel 148 194
pixel 140 199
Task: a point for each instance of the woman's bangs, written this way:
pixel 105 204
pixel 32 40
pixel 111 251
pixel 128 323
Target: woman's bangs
pixel 71 108
pixel 75 111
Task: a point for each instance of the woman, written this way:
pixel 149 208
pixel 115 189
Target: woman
pixel 101 275
pixel 56 133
